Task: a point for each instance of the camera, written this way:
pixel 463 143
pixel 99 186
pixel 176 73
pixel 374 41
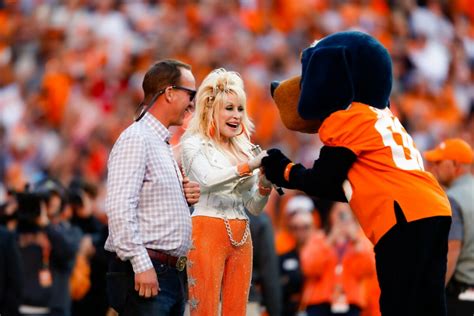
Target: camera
pixel 29 205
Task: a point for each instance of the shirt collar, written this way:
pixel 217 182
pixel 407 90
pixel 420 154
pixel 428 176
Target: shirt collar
pixel 157 126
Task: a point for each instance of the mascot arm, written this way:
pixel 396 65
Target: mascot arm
pixel 323 180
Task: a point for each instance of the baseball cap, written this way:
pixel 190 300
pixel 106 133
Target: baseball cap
pixel 451 149
pixel 299 203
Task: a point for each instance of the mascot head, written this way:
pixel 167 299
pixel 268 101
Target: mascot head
pixel 340 69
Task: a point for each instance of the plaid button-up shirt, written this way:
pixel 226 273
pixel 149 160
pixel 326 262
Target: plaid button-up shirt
pixel 145 203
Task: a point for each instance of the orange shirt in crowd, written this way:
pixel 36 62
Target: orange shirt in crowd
pixel 56 86
pixel 323 271
pixel 388 169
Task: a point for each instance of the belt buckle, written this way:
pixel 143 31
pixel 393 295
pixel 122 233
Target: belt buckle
pixel 181 263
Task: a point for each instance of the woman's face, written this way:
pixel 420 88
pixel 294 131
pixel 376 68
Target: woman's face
pixel 230 117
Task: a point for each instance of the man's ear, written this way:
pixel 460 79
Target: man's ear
pixel 457 167
pixel 169 94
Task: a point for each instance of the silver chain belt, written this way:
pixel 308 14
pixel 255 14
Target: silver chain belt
pixel 231 238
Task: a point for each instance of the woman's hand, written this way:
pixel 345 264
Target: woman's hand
pixel 256 162
pixel 263 181
pixel 264 186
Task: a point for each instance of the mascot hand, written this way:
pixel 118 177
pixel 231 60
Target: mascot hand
pixel 274 166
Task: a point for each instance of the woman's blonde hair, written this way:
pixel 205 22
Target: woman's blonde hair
pixel 211 98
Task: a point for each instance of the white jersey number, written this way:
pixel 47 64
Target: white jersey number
pixel 404 153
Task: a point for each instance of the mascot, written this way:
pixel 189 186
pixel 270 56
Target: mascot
pixel 371 162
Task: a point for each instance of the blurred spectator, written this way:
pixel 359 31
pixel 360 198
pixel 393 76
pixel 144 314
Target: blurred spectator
pixel 67 239
pixel 81 196
pixel 71 72
pixel 336 265
pixel 300 227
pixel 285 239
pixel 452 160
pixel 265 292
pixel 11 275
pixel 47 255
pixel 91 259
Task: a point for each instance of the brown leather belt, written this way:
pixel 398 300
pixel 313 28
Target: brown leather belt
pixel 178 262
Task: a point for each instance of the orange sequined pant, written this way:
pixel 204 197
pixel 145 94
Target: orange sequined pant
pixel 215 266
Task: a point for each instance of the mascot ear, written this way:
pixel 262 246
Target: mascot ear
pixel 326 83
pixel 286 95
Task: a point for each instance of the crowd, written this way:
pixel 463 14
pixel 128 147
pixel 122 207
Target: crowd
pixel 70 82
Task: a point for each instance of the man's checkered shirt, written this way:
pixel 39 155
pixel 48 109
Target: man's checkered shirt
pixel 145 203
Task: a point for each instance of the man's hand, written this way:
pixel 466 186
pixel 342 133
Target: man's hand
pixel 146 283
pixel 274 166
pixel 192 192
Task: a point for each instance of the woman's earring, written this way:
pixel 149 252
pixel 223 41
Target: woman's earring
pixel 212 130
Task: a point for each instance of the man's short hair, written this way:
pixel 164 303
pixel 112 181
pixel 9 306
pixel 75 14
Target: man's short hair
pixel 163 73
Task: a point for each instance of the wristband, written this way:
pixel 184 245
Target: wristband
pixel 264 191
pixel 244 169
pixel 286 174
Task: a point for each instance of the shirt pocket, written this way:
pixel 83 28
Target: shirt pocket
pixel 217 160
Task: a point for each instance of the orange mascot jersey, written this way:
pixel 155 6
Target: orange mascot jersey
pixel 388 169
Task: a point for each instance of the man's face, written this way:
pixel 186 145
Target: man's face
pixel 182 103
pixel 444 171
pixel 53 207
pixel 301 226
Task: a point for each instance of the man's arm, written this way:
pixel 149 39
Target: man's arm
pixel 126 173
pixel 127 164
pixel 456 235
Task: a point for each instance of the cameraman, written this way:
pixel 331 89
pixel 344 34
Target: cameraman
pixel 66 237
pixel 48 245
pixel 11 276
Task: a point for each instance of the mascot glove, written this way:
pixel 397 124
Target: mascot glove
pixel 274 166
pixel 256 162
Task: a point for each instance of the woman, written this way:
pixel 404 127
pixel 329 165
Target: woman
pixel 217 153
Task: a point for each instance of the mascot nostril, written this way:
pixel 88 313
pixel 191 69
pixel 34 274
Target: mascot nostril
pixel 369 160
pixel 273 87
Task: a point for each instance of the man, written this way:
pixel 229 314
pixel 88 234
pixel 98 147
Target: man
pixel 11 274
pixel 65 239
pixel 452 161
pixel 299 212
pixel 147 200
pixel 265 288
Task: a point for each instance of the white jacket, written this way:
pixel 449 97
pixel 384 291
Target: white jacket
pixel 223 191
